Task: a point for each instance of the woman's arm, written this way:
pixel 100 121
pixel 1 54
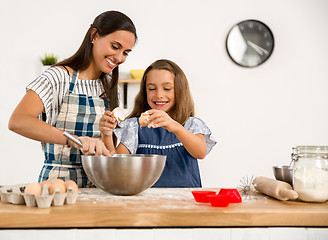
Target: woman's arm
pixel 24 121
pixel 195 144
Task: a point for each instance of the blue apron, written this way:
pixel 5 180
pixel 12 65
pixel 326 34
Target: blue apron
pixel 79 115
pixel 181 169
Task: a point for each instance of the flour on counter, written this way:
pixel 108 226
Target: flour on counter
pixel 149 194
pixel 311 184
pixel 179 197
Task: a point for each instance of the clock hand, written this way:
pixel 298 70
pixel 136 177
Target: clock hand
pixel 257 48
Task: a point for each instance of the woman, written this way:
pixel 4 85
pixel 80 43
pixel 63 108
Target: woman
pixel 73 95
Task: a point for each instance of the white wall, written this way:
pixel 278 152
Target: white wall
pixel 173 234
pixel 257 115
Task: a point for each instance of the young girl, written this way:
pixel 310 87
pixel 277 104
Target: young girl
pixel 73 95
pixel 165 99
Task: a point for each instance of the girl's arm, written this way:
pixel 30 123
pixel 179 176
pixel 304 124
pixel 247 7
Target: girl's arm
pixel 107 125
pixel 195 144
pixel 24 121
pixel 120 149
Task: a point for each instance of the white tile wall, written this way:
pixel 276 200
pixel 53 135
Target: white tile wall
pixel 135 234
pixel 173 234
pixel 317 234
pixel 170 234
pixel 288 234
pixel 55 234
pixel 211 234
pixel 94 234
pixel 250 233
pixel 17 234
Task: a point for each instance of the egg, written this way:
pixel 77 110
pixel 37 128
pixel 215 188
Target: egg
pixel 144 119
pixel 118 114
pixel 72 184
pixel 33 188
pixel 58 180
pixel 57 185
pixel 46 182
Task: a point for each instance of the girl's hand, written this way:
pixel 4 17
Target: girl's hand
pixel 107 124
pixel 92 146
pixel 160 118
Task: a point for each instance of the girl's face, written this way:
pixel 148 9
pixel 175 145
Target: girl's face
pixel 111 50
pixel 160 90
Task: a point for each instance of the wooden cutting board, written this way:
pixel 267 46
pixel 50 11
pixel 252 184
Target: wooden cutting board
pixel 163 208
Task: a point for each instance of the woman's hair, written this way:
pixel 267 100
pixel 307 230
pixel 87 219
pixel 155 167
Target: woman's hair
pixel 184 104
pixel 105 23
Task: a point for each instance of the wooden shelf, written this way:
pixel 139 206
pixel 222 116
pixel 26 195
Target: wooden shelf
pixel 129 80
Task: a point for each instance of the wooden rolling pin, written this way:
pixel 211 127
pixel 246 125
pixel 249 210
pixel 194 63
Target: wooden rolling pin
pixel 274 188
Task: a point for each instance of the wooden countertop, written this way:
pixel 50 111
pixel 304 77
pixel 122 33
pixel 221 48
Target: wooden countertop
pixel 162 208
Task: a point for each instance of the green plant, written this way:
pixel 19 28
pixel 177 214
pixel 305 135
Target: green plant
pixel 49 59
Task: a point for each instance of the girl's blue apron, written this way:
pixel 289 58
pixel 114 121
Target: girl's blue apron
pixel 181 169
pixel 79 115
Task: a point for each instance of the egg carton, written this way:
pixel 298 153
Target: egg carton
pixel 15 195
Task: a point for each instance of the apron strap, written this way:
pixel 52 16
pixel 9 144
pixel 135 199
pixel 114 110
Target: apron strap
pixel 72 83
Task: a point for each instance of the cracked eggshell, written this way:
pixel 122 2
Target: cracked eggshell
pixel 118 114
pixel 144 119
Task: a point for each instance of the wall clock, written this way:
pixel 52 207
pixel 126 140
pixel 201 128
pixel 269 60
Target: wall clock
pixel 250 43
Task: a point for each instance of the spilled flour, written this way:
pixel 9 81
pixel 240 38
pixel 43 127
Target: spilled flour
pixel 168 198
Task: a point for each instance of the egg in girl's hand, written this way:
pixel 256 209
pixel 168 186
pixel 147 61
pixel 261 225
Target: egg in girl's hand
pixel 33 188
pixel 72 184
pixel 60 185
pixel 144 119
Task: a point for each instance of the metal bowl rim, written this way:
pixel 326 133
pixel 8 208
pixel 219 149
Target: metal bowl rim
pixel 283 167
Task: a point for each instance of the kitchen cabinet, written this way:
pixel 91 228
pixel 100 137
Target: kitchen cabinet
pixel 171 210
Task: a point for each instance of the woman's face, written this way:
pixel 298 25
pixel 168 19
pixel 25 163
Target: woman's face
pixel 111 50
pixel 160 90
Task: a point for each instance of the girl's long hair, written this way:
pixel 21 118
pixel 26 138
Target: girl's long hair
pixel 105 23
pixel 184 104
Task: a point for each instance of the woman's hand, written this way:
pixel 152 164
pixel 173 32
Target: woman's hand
pixel 91 146
pixel 107 124
pixel 159 118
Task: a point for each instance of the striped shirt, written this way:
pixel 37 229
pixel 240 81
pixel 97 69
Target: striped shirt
pixel 52 86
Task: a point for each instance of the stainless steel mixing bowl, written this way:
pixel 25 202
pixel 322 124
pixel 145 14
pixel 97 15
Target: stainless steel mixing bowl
pixel 283 173
pixel 124 174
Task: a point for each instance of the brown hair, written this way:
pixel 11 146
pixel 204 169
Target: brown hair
pixel 105 23
pixel 184 104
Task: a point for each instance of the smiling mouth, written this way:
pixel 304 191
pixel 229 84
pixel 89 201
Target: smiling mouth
pixel 110 63
pixel 160 103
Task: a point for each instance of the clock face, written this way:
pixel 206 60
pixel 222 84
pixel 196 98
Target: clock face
pixel 250 43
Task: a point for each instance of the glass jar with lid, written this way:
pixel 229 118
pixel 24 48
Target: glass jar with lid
pixel 310 173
